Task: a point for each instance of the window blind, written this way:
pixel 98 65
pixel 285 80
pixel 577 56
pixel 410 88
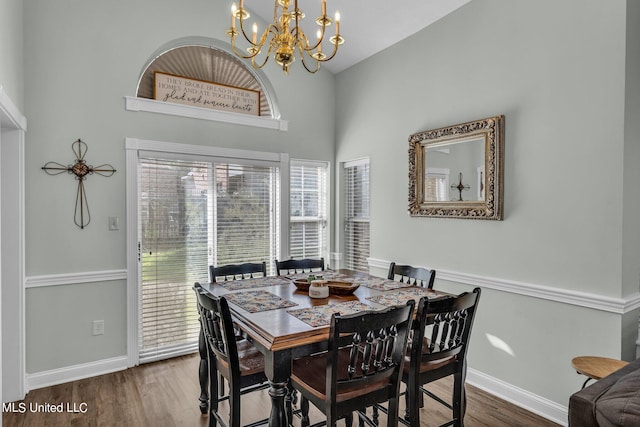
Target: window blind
pixel 356 178
pixel 437 187
pixel 194 214
pixel 308 220
pixel 247 219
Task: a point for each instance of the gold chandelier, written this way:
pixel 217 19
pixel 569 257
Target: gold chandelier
pixel 284 36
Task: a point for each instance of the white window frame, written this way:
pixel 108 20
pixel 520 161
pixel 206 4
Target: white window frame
pixel 326 219
pixel 345 165
pixel 134 147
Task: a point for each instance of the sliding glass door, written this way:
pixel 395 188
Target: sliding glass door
pixel 192 214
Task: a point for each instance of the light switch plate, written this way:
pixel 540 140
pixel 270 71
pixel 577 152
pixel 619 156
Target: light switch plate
pixel 114 223
pixel 98 327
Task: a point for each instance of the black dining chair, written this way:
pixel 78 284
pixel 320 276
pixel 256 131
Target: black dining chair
pixel 293 266
pixel 439 344
pixel 231 272
pixel 239 362
pixel 237 271
pixel 362 366
pixel 416 276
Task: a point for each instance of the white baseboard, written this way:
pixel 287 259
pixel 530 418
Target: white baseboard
pixel 522 398
pixel 75 372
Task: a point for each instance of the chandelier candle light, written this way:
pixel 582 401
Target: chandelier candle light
pixel 284 36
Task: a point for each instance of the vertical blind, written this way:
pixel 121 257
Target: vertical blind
pixel 193 214
pixel 356 178
pixel 308 221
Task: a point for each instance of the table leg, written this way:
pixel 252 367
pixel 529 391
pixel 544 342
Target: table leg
pixel 278 393
pixel 278 371
pixel 203 373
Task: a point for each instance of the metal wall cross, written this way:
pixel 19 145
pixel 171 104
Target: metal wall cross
pixel 81 170
pixel 460 187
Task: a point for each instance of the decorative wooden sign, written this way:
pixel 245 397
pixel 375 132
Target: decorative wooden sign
pixel 199 93
pixel 81 170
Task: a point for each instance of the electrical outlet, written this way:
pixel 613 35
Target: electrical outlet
pixel 98 327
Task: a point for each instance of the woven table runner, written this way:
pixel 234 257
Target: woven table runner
pixel 320 315
pixel 255 301
pixel 376 283
pixel 326 275
pixel 256 282
pixel 381 284
pixel 401 296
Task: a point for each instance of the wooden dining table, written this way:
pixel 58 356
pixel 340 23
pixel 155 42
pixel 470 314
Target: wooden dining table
pixel 284 323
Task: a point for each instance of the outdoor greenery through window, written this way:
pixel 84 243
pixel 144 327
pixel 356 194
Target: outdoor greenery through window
pixel 194 214
pixel 356 222
pixel 308 222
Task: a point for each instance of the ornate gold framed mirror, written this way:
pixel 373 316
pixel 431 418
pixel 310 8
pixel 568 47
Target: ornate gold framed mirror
pixel 458 171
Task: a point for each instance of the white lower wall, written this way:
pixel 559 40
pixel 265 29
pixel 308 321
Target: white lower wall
pixel 492 382
pixel 501 315
pixel 60 311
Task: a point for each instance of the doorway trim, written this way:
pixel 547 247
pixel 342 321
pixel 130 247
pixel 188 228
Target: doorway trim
pixel 134 146
pixel 13 126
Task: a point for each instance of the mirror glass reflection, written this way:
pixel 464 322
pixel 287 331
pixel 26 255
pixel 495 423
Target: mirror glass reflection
pixel 455 170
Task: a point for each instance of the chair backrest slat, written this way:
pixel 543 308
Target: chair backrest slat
pixel 293 266
pixel 448 322
pixel 377 341
pixel 237 271
pixel 416 276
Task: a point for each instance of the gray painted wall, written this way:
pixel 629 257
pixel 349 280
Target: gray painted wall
pixel 631 238
pixel 11 65
pixel 570 99
pixel 81 60
pixel 557 72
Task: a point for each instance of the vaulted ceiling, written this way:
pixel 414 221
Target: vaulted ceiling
pixel 368 26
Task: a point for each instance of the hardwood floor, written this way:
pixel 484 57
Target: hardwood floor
pixel 166 394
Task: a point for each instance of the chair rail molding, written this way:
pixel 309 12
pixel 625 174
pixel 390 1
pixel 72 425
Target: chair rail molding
pixel 74 278
pixel 566 296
